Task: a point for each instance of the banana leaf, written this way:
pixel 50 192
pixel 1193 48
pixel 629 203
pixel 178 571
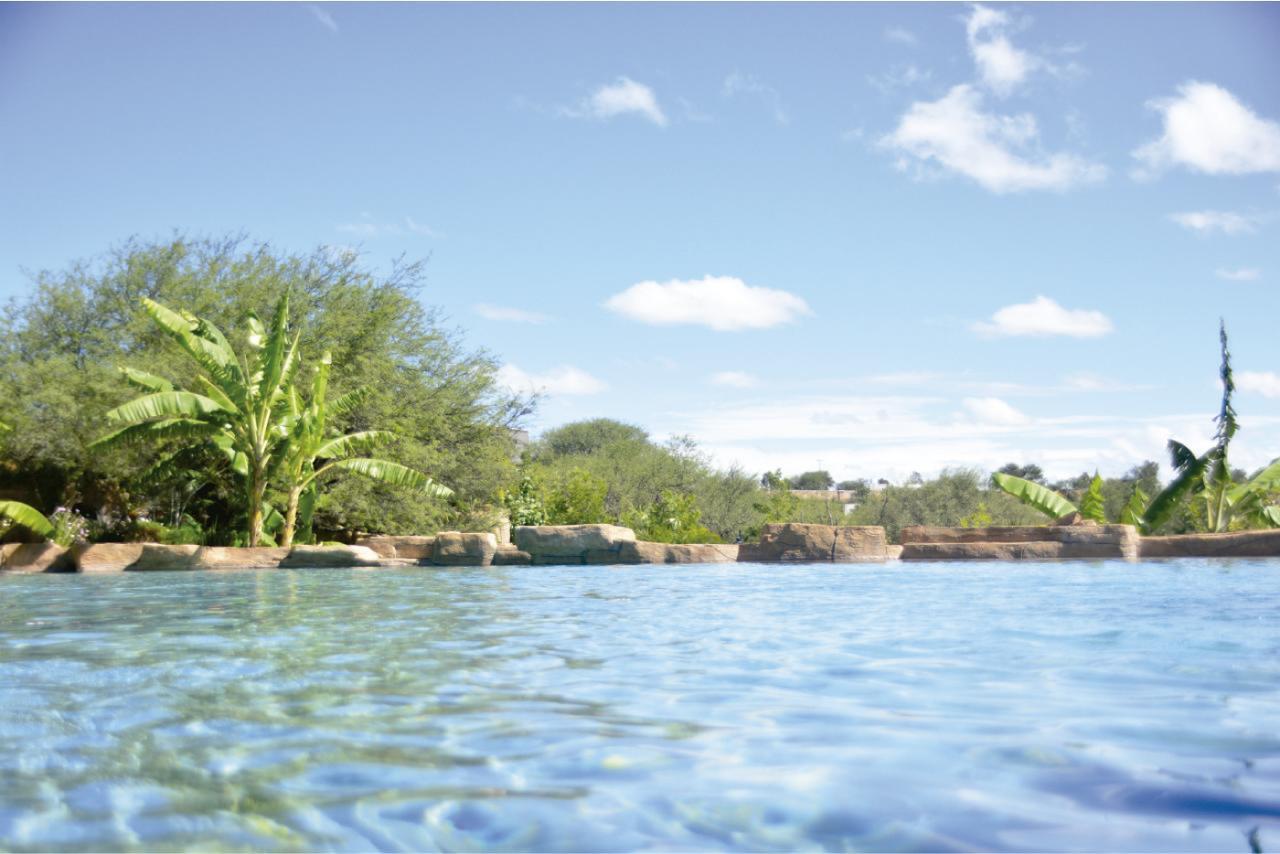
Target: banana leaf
pixel 389 472
pixel 165 404
pixel 1034 495
pixel 26 516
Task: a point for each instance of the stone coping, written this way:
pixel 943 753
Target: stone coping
pixel 569 545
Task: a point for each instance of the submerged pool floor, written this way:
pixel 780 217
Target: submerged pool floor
pixel 816 707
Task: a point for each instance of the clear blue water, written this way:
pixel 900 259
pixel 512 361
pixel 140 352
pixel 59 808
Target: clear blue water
pixel 899 707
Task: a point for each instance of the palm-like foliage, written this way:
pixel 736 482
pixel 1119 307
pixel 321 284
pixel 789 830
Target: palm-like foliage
pixel 241 405
pixel 24 514
pixel 1042 498
pixel 310 442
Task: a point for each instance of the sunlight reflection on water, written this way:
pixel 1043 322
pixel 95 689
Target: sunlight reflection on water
pixel 903 707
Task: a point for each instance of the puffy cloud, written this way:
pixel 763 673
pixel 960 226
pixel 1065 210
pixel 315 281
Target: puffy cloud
pixel 1242 274
pixel 993 410
pixel 734 379
pixel 1207 129
pixel 1001 66
pixel 999 152
pixel 1207 222
pixel 722 303
pixel 564 380
pixel 620 98
pixel 1265 383
pixel 1042 317
pixel 509 314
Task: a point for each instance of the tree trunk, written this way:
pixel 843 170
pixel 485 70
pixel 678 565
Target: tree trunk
pixel 257 486
pixel 290 517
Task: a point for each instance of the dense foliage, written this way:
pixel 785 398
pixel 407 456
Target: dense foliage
pixel 60 351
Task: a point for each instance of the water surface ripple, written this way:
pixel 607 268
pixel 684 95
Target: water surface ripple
pixel 898 707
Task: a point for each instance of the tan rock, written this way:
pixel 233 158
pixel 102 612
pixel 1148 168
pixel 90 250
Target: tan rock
pixel 219 557
pixel 892 552
pixel 644 552
pixel 35 557
pixel 134 557
pixel 1232 544
pixel 414 547
pixel 794 541
pixel 1077 541
pixel 570 540
pixel 982 551
pixel 452 548
pixel 323 557
pixel 511 556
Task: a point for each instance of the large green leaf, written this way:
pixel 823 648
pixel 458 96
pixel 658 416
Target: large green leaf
pixel 1034 495
pixel 26 516
pixel 389 472
pixel 274 350
pixel 1135 511
pixel 209 349
pixel 352 443
pixel 1093 505
pixel 173 428
pixel 1271 515
pixel 165 404
pixel 1190 478
pixel 146 381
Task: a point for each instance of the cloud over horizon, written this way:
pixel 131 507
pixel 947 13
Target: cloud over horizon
pixel 1226 222
pixel 622 97
pixel 722 303
pixel 1042 317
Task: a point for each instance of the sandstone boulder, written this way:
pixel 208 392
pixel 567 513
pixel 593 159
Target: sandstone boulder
pixel 134 557
pixel 413 547
pixel 570 541
pixel 452 548
pixel 35 557
pixel 219 557
pixel 324 557
pixel 1077 541
pixel 511 556
pixel 644 552
pixel 798 542
pixel 982 551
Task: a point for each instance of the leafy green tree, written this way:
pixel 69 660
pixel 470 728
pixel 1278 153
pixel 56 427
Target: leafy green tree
pixel 59 348
pixel 587 437
pixel 1028 471
pixel 242 410
pixel 577 498
pixel 673 518
pixel 526 505
pixel 813 480
pixel 21 514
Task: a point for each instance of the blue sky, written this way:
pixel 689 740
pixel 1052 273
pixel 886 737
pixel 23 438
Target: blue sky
pixel 880 238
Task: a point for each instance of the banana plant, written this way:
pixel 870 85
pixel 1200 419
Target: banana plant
pixel 239 409
pixel 312 453
pixel 1042 498
pixel 24 514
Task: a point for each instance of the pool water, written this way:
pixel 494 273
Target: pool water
pixel 731 707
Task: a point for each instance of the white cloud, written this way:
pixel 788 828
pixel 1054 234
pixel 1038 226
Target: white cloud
pixel 1207 129
pixel 901 35
pixel 734 379
pixel 620 98
pixel 1001 66
pixel 993 410
pixel 999 152
pixel 326 20
pixel 508 314
pixel 722 303
pixel 746 84
pixel 1265 383
pixel 1242 274
pixel 900 77
pixel 1226 222
pixel 1041 317
pixel 564 380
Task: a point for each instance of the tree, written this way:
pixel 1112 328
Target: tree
pixel 1028 471
pixel 60 346
pixel 246 397
pixel 813 480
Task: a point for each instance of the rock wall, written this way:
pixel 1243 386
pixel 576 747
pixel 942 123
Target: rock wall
pixel 35 557
pixel 1233 544
pixel 1032 542
pixel 795 542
